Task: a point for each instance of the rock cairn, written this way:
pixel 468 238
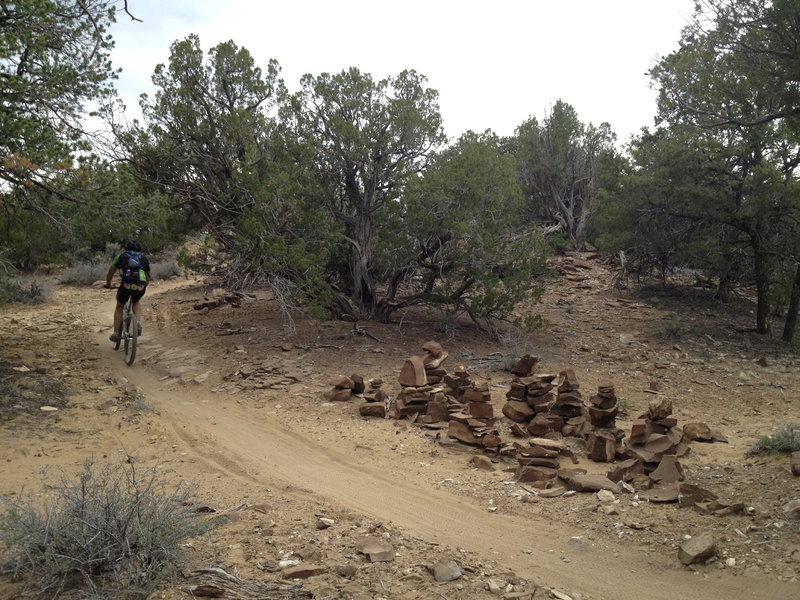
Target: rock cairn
pixel 655 435
pixel 344 388
pixel 375 399
pixel 569 405
pixel 545 404
pixel 420 399
pixel 603 443
pixel 430 395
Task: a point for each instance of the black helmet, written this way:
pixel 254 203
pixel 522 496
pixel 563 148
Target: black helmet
pixel 133 245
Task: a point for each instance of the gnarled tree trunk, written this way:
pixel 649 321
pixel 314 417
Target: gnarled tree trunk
pixel 794 306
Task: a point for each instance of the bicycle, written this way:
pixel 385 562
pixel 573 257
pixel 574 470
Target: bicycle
pixel 129 335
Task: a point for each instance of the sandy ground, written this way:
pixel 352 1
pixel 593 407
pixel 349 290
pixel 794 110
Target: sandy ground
pixel 272 457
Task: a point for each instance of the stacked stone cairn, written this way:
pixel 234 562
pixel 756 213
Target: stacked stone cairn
pixel 471 412
pixel 569 405
pixel 536 410
pixel 375 399
pixel 344 388
pixel 429 395
pixel 419 398
pixel 654 437
pixel 603 442
pixel 529 400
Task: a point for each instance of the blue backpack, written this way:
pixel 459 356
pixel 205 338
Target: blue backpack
pixel 132 264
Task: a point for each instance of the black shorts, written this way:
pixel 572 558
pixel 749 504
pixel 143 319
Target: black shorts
pixel 135 291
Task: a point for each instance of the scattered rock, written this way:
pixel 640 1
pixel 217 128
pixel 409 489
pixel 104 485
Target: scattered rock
pixel 661 494
pixel 303 571
pixel 669 470
pixel 590 483
pixel 698 548
pixel 376 549
pixel 699 432
pixel 792 509
pixel 553 492
pixel 606 496
pixel 372 409
pixel 447 570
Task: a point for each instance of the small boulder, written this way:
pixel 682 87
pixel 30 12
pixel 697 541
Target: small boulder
pixel 303 571
pixel 699 432
pixel 792 509
pixel 446 570
pixel 590 483
pixel 697 549
pixel 375 549
pixel 433 348
pixel 660 408
pixel 342 382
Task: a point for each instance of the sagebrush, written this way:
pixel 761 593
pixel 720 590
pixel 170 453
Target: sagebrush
pixel 110 531
pixel 783 441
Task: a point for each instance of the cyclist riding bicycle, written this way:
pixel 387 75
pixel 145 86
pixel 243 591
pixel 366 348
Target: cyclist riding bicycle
pixel 134 269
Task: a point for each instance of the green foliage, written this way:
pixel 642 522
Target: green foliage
pixel 42 229
pixel 560 165
pixel 54 59
pixel 729 97
pixel 13 291
pixel 671 330
pixel 110 529
pixel 361 142
pixel 784 441
pixel 209 141
pixel 737 66
pixel 457 244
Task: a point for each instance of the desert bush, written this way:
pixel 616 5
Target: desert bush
pixel 88 273
pixel 165 269
pixel 110 531
pixel 783 441
pixel 12 290
pixel 83 274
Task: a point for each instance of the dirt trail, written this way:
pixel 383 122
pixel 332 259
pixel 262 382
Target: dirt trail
pixel 261 451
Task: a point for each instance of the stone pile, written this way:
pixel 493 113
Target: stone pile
pixel 470 411
pixel 420 399
pixel 603 442
pixel 569 405
pixel 375 398
pixel 429 395
pixel 544 404
pixel 655 435
pixel 344 388
pixel 538 461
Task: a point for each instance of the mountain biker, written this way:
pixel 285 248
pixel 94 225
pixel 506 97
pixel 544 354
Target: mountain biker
pixel 134 269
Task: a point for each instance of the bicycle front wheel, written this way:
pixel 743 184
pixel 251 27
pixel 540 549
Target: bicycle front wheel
pixel 130 332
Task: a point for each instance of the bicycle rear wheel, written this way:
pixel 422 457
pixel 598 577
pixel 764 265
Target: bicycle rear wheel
pixel 130 331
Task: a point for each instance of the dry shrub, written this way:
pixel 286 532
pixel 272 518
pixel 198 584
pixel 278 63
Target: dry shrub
pixel 112 531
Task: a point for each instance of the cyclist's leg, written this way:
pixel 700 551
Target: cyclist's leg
pixel 122 298
pixel 136 308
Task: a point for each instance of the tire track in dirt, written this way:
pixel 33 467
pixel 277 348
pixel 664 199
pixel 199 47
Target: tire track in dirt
pixel 262 450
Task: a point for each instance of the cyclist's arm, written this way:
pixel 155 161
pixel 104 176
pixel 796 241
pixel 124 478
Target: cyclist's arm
pixel 110 276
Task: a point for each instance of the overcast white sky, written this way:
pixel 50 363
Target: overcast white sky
pixel 494 64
